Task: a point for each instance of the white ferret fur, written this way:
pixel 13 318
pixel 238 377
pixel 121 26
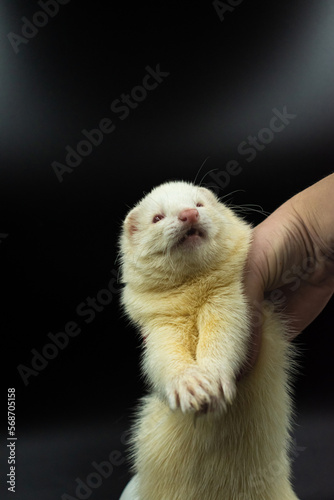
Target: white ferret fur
pixel 200 434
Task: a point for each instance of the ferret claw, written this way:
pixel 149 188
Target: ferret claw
pixel 193 392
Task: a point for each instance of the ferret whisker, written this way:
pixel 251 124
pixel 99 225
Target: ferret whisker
pixel 170 260
pixel 119 276
pixel 117 258
pixel 200 168
pixel 221 198
pixel 207 173
pixel 247 208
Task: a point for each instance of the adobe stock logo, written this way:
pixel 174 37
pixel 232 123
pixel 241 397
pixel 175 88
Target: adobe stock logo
pixel 222 7
pixel 251 147
pixel 40 19
pixel 56 343
pixel 121 108
pixel 3 236
pixel 100 472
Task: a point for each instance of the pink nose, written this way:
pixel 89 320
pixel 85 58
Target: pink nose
pixel 189 215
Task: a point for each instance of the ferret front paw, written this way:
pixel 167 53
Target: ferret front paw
pixel 193 391
pixel 224 378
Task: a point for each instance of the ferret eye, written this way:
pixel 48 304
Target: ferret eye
pixel 157 218
pixel 199 205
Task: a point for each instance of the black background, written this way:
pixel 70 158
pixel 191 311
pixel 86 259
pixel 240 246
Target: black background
pixel 58 245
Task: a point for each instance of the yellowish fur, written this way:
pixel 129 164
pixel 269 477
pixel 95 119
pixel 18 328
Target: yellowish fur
pixel 200 434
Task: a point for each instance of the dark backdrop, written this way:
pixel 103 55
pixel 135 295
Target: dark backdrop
pixel 99 103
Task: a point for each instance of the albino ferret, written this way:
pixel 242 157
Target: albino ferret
pixel 200 434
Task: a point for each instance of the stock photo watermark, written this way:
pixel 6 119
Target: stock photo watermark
pixel 87 309
pixel 31 27
pixel 121 108
pixel 12 438
pixel 3 236
pixel 251 147
pixel 100 472
pixel 225 7
pixel 276 468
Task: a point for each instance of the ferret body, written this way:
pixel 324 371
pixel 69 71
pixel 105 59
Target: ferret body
pixel 200 434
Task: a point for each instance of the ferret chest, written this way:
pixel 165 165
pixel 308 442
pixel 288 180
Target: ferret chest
pixel 190 311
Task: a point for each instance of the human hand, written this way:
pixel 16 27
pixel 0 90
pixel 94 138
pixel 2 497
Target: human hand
pixel 291 262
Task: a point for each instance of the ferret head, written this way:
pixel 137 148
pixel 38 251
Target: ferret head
pixel 175 231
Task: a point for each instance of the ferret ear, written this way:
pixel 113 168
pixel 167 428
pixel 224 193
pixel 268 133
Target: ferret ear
pixel 131 222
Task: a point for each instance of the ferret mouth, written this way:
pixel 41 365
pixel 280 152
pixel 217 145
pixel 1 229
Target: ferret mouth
pixel 193 234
